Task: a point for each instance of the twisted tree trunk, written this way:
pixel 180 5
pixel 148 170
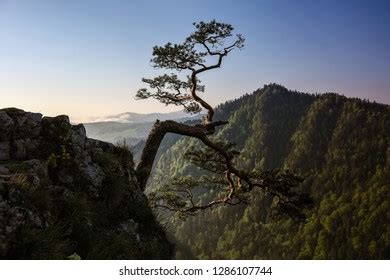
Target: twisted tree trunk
pixel 157 134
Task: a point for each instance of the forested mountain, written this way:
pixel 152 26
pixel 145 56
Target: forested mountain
pixel 341 148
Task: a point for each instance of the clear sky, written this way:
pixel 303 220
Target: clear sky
pixel 87 58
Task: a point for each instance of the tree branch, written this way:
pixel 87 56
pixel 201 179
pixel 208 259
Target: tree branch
pixel 157 134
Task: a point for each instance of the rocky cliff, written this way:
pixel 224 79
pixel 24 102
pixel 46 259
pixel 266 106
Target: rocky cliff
pixel 62 193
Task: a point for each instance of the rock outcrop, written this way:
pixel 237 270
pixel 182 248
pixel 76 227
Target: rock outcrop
pixel 62 193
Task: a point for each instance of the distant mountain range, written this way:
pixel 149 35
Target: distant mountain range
pixel 130 117
pixel 131 127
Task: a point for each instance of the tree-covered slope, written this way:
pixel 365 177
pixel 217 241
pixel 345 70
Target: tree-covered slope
pixel 338 144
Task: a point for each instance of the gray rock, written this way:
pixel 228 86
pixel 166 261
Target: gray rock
pixel 20 149
pixel 6 123
pixel 5 148
pixel 94 173
pixel 24 124
pixel 32 146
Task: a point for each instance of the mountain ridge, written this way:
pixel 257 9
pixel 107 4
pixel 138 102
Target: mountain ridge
pixel 338 144
pixel 132 117
pixel 134 131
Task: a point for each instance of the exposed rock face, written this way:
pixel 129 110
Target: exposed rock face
pixel 62 193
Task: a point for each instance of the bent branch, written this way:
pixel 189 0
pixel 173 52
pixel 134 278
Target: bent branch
pixel 157 134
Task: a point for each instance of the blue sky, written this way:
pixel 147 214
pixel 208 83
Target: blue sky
pixel 87 58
